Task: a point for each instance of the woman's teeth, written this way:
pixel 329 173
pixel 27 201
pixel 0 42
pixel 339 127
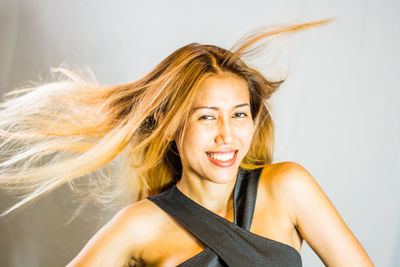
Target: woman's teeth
pixel 221 156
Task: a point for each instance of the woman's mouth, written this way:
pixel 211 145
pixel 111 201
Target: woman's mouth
pixel 222 159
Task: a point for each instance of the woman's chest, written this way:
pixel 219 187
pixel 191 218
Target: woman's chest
pixel 176 244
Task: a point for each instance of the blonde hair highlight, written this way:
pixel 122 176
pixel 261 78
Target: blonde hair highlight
pixel 116 141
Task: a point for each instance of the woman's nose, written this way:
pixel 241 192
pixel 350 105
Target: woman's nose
pixel 224 132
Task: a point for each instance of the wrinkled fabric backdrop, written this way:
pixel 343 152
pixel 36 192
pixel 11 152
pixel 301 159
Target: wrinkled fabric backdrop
pixel 337 114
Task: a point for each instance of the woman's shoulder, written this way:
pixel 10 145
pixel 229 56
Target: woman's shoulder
pixel 123 237
pixel 288 184
pixel 295 190
pixel 136 222
pixel 141 208
pixel 313 214
pixel 286 175
pixel 141 218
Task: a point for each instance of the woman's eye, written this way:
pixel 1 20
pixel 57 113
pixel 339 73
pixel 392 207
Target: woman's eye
pixel 240 115
pixel 206 117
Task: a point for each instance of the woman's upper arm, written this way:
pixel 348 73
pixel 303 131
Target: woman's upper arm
pixel 318 221
pixel 115 242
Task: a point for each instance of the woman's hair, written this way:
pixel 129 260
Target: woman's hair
pixel 117 142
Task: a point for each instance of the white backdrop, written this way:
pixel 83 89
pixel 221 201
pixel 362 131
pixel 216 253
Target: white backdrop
pixel 337 114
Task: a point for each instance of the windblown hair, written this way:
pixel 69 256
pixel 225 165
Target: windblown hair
pixel 118 140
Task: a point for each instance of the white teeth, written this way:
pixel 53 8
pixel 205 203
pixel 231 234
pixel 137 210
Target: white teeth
pixel 221 156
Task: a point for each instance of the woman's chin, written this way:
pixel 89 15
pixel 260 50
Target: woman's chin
pixel 223 176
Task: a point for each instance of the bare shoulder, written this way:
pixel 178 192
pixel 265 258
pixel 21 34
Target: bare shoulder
pixel 285 172
pixel 314 215
pixel 123 237
pixel 287 182
pixel 139 214
pixel 140 220
pixel 288 176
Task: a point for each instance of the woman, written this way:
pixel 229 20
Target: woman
pixel 196 141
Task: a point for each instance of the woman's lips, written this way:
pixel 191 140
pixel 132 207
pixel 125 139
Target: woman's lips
pixel 222 163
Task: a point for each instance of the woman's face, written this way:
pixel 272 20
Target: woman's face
pixel 219 131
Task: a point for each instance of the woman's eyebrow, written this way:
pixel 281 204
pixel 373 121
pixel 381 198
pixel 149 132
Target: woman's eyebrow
pixel 216 108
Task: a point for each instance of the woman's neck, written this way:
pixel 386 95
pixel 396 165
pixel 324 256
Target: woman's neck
pixel 217 198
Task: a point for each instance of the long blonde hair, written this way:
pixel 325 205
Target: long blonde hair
pixel 118 140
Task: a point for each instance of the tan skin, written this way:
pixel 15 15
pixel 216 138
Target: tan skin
pixel 290 206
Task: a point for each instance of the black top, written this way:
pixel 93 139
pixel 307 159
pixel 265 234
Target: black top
pixel 228 244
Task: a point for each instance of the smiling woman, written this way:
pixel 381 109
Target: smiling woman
pixel 218 134
pixel 191 145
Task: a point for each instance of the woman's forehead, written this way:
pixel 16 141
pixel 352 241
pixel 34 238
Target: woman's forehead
pixel 222 90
